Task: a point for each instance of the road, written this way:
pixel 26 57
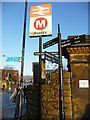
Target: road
pixel 7 108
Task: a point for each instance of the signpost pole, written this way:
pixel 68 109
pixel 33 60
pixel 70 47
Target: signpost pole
pixel 39 86
pixel 60 73
pixel 22 62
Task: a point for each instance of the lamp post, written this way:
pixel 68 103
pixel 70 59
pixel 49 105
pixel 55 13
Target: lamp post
pixel 22 62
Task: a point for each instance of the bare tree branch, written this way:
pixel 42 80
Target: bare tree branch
pixel 9 67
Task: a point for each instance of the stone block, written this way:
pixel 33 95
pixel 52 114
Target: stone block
pixel 50 94
pixel 57 81
pixel 44 93
pixel 68 105
pixel 68 114
pixel 54 112
pixel 44 87
pixel 56 87
pixel 56 106
pixel 66 75
pixel 43 98
pixel 67 87
pixel 67 99
pixel 66 81
pixel 67 93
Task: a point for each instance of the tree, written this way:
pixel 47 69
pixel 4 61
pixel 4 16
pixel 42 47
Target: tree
pixel 9 67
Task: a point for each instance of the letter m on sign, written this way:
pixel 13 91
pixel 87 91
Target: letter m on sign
pixel 40 23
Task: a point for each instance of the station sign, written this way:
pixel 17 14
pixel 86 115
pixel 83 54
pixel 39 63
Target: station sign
pixel 51 57
pixel 40 20
pixel 13 59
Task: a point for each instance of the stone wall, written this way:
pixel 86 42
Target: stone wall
pixel 32 102
pixel 49 99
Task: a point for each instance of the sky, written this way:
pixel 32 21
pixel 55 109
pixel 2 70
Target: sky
pixel 71 16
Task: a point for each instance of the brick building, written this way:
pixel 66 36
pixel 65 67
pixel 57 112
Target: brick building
pixel 8 75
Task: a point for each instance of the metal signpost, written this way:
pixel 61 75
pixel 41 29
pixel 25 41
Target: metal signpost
pixel 39 85
pixel 58 60
pixel 60 72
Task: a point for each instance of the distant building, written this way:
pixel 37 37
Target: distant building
pixel 8 75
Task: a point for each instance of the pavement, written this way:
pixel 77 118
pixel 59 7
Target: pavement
pixel 7 108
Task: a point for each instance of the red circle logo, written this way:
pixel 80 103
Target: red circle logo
pixel 40 23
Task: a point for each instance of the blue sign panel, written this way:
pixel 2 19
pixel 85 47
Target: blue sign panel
pixel 13 59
